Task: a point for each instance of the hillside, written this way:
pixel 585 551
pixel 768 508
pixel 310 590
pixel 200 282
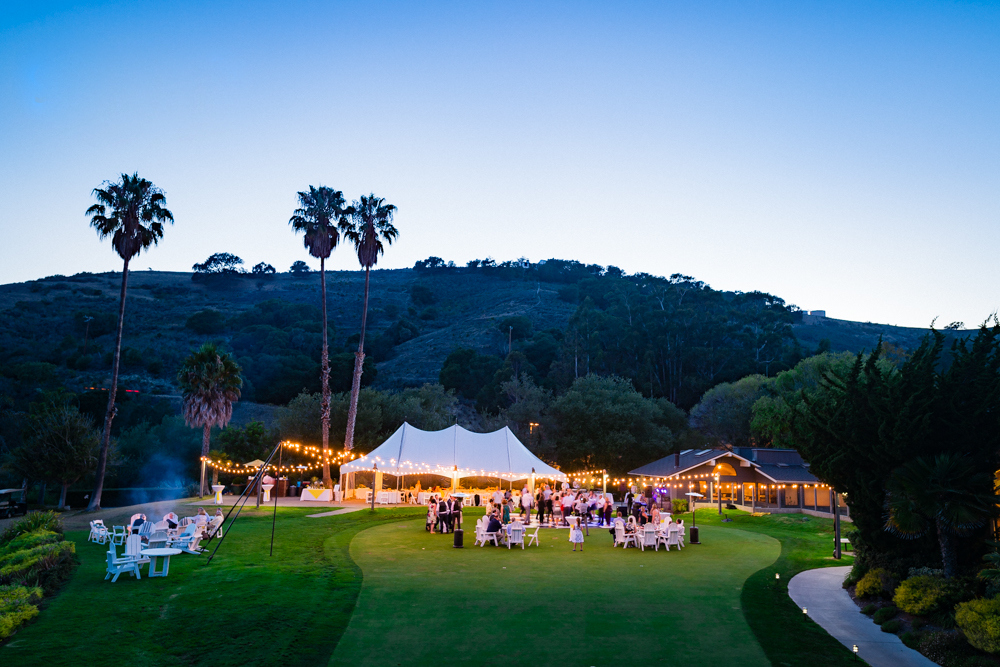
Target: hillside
pixel 43 320
pixel 416 319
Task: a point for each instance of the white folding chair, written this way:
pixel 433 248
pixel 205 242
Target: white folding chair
pixel 680 533
pixel 533 537
pixel 118 536
pixel 382 498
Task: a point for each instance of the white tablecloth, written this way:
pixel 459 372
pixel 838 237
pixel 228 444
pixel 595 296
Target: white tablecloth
pixel 423 497
pixel 390 497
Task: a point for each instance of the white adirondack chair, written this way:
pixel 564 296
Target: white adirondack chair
pixel 516 534
pixel 157 540
pixel 649 537
pixel 212 527
pixel 480 534
pixel 131 521
pixel 117 566
pixel 133 548
pixel 623 538
pixel 493 537
pixel 145 530
pixel 672 540
pixel 533 537
pixel 188 540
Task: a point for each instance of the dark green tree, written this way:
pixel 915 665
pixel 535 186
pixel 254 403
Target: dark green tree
pixel 603 422
pixel 941 494
pixel 210 381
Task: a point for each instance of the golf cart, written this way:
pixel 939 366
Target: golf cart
pixel 10 507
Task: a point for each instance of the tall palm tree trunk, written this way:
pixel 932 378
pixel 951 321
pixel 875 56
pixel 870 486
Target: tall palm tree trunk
pixel 359 362
pixel 206 436
pixel 324 406
pixel 949 558
pixel 62 495
pixel 102 459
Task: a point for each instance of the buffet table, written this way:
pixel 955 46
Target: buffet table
pixel 319 495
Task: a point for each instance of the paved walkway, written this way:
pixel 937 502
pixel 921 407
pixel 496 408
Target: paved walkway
pixel 820 591
pixel 343 510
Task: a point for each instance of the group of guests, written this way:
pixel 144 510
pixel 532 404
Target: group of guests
pixel 172 520
pixel 442 514
pixel 552 505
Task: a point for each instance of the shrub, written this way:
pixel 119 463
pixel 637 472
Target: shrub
pixel 876 582
pixel 884 614
pixel 854 576
pixel 911 638
pixel 980 622
pixel 924 572
pixel 893 626
pixel 869 609
pixel 918 624
pixel 34 521
pixel 679 505
pixel 16 607
pixel 922 595
pixel 941 647
pixel 29 541
pixel 47 564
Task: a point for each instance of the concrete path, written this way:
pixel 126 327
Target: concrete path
pixel 820 592
pixel 344 510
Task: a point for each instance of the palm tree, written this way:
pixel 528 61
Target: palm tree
pixel 321 214
pixel 211 382
pixel 944 494
pixel 132 212
pixel 370 224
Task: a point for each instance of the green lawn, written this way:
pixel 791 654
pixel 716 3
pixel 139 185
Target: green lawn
pixel 421 601
pixel 551 606
pixel 246 608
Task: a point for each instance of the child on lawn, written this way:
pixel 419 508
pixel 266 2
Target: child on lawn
pixel 575 534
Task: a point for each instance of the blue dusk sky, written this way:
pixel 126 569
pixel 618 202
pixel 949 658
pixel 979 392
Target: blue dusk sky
pixel 841 155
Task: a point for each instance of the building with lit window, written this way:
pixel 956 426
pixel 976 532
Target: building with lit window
pixel 748 478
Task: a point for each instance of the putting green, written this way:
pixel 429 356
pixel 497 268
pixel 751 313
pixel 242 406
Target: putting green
pixel 423 602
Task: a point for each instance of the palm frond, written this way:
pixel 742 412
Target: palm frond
pixel 319 217
pixel 371 224
pixel 132 212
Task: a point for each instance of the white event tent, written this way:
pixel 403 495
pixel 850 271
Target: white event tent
pixel 453 452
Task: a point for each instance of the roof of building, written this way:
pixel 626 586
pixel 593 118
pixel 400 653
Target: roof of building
pixel 780 465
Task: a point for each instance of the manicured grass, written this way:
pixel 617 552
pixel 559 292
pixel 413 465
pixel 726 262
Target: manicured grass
pixel 424 602
pixel 786 635
pixel 421 601
pixel 246 608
